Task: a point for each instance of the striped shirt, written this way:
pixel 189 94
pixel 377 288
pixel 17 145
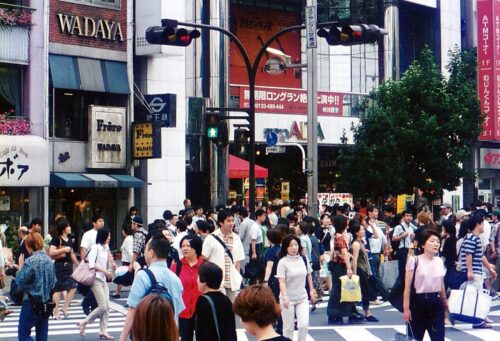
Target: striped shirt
pixel 472 246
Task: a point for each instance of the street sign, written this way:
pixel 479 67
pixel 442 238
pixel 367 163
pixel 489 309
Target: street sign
pixel 311 27
pixel 271 138
pixel 275 150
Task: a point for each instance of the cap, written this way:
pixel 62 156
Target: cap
pixel 462 213
pixel 138 220
pixel 445 205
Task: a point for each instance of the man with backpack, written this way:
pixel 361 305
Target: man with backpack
pixel 156 279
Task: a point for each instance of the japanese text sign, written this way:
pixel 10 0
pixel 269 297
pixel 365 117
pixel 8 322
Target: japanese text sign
pixel 24 161
pixel 291 101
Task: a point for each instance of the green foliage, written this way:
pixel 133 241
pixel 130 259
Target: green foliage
pixel 415 132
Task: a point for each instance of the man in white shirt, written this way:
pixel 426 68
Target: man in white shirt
pixel 89 237
pixel 404 234
pixel 256 244
pixel 224 248
pixel 376 242
pixel 244 234
pixel 182 231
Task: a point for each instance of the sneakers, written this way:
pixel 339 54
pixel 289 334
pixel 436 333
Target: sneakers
pixel 483 325
pixel 371 318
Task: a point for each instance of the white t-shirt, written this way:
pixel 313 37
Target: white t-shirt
pixel 89 239
pixel 293 269
pixel 127 247
pixel 256 233
pixel 98 255
pixel 177 243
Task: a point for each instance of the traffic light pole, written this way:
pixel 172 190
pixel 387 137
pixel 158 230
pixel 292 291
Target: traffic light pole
pixel 252 73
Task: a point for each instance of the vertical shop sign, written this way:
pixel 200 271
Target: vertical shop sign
pixel 496 71
pixel 485 71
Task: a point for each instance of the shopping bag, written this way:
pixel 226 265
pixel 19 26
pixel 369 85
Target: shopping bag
pixel 469 304
pixel 389 272
pixel 350 290
pixel 83 274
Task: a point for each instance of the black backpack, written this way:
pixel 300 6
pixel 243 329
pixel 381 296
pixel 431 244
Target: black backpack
pixel 157 288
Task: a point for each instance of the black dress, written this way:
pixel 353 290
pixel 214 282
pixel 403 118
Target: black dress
pixel 205 325
pixel 63 267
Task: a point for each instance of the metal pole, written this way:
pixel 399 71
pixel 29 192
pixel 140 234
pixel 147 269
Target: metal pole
pixel 312 121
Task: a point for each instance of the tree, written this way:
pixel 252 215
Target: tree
pixel 415 132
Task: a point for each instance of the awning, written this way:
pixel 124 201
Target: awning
pixel 239 169
pixel 128 181
pixel 86 180
pixel 78 73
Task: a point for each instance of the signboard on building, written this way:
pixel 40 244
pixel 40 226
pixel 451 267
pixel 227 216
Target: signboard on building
pixel 291 101
pixel 146 140
pixel 107 145
pixel 485 65
pixel 297 131
pixel 24 161
pixel 331 199
pixel 163 108
pixel 489 158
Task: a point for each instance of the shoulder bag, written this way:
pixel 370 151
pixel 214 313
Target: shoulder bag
pixel 83 274
pixel 396 296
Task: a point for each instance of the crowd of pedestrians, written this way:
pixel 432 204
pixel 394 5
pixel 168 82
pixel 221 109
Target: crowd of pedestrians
pixel 186 271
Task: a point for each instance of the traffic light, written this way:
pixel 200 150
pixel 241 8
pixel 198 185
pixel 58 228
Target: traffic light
pixel 170 35
pixel 212 124
pixel 351 34
pixel 241 140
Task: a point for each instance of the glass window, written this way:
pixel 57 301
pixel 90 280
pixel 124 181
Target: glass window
pixel 70 115
pixel 10 89
pixel 116 4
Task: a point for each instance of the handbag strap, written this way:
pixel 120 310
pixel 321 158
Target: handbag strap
pixel 226 248
pixel 414 274
pixel 214 313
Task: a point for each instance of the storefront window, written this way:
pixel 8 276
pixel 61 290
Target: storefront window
pixel 14 212
pixel 69 117
pixel 10 89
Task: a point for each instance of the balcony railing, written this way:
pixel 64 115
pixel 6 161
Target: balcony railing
pixel 15 25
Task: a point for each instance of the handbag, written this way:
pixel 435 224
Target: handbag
pixel 83 274
pixel 469 304
pixel 350 291
pixel 41 308
pixel 396 295
pixel 389 272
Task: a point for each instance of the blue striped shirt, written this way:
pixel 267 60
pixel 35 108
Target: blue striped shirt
pixel 472 246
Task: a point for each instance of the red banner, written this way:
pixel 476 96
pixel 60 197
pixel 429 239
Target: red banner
pixel 291 101
pixel 485 72
pixel 496 58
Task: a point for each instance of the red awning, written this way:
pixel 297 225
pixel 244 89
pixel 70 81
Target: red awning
pixel 239 169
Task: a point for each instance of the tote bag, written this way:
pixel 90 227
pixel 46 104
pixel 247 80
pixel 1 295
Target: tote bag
pixel 350 290
pixel 469 304
pixel 83 274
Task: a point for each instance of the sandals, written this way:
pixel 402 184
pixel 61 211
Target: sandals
pixel 81 326
pixel 105 336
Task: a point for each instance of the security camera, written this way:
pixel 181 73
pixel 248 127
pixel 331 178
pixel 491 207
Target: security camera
pixel 274 66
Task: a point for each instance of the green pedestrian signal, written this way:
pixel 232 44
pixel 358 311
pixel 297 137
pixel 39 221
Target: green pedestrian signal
pixel 213 132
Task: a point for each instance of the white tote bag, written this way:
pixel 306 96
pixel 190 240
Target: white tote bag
pixel 469 304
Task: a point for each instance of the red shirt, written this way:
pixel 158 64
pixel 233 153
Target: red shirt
pixel 339 243
pixel 189 278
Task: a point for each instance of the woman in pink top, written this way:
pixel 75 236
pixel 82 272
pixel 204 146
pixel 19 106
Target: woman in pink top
pixel 424 301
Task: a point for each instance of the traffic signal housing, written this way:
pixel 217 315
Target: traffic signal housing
pixel 351 34
pixel 241 141
pixel 170 35
pixel 212 125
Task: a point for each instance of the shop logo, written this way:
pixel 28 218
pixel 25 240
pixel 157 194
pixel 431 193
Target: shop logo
pixel 90 27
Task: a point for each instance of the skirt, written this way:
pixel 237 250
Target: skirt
pixel 126 279
pixel 63 276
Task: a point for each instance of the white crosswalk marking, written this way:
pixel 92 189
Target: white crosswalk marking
pixel 356 334
pixel 67 326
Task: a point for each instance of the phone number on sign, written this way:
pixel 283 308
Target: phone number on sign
pixel 271 106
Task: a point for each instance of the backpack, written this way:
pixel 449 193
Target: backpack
pixel 157 288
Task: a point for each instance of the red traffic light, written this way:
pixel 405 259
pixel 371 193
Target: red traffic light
pixel 351 34
pixel 170 36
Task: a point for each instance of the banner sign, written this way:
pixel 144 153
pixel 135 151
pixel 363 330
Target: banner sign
pixel 496 70
pixel 485 72
pixel 164 107
pixel 489 158
pixel 291 101
pixel 331 199
pixel 146 140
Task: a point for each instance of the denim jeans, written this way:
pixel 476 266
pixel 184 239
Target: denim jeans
pixel 376 285
pixel 28 319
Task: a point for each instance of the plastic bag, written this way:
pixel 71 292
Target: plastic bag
pixel 350 290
